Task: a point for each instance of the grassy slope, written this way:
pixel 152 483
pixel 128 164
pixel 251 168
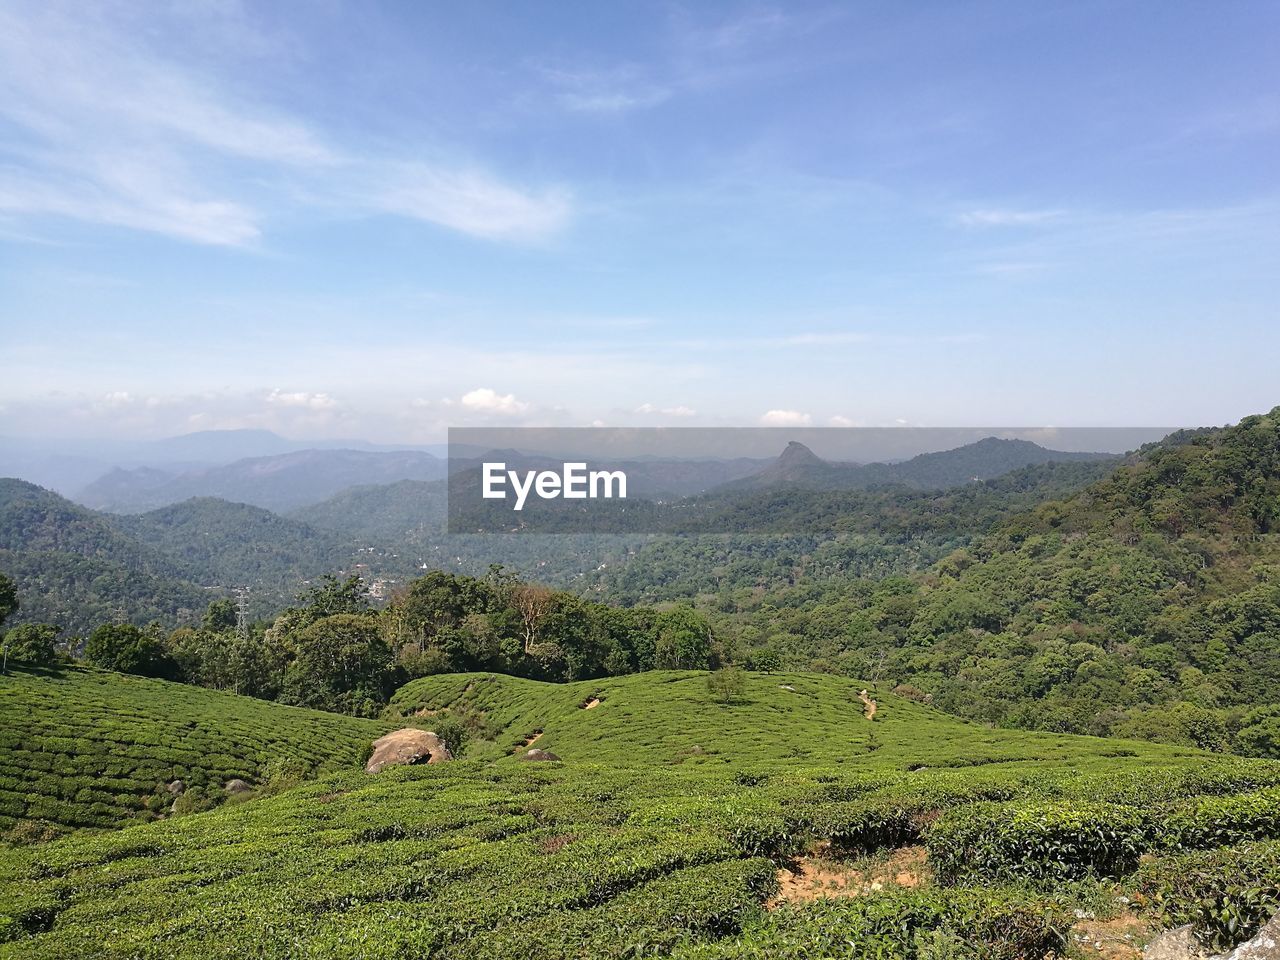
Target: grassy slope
pixel 660 717
pixel 87 748
pixel 631 846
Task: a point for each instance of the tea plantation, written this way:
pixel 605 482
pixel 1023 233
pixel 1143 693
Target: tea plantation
pixel 91 748
pixel 669 718
pixel 670 828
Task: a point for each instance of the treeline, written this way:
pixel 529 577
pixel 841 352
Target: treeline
pixel 334 651
pixel 1146 605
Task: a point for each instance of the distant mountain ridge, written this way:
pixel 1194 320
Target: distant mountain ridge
pixel 984 460
pixel 280 482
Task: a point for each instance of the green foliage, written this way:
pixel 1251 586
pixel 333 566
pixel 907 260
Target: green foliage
pixel 766 659
pixel 8 598
pixel 636 844
pixel 727 684
pixel 911 925
pixel 1222 821
pixel 129 649
pixel 1227 893
pixel 35 644
pixel 341 663
pixel 85 748
pixel 220 616
pixel 1037 840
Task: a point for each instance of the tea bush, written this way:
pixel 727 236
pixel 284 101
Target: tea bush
pixel 90 748
pixel 1227 893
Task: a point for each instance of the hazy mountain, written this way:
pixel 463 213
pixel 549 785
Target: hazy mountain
pixel 68 465
pixel 393 513
pixel 281 482
pixel 984 460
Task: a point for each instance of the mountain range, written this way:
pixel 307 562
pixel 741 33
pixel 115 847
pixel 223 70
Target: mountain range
pixel 273 523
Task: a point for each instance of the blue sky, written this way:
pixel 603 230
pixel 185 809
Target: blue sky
pixel 378 220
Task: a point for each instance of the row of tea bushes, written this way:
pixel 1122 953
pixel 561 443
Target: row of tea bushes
pixel 91 748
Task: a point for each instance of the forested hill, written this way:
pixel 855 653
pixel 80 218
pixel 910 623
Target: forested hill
pixel 77 568
pixel 1146 604
pixel 1220 485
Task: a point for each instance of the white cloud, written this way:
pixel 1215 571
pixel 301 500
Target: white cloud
pixel 785 418
pixel 841 421
pixel 1007 218
pixel 472 202
pixel 107 124
pixel 485 400
pixel 310 401
pixel 677 411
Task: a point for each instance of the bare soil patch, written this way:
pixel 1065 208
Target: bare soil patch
pixel 529 741
pixel 1119 938
pixel 817 876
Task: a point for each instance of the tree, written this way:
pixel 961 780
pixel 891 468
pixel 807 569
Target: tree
pixel 726 685
pixel 220 616
pixel 129 649
pixel 342 664
pixel 35 644
pixel 766 659
pixel 332 596
pixel 8 598
pixel 684 640
pixel 533 604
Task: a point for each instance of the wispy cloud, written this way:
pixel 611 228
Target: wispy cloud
pixel 301 398
pixel 617 90
pixel 997 217
pixel 113 131
pixel 472 202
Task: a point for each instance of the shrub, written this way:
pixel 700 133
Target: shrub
pixel 911 925
pixel 726 685
pixel 1037 840
pixel 197 800
pixel 35 644
pixel 1220 821
pixel 1227 894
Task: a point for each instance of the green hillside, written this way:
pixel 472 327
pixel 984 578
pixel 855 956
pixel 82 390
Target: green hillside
pixel 667 718
pixel 90 748
pixel 216 542
pixel 985 843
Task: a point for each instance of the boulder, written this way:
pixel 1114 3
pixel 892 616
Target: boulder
pixel 176 787
pixel 406 747
pixel 536 754
pixel 1264 946
pixel 236 786
pixel 1177 944
pixel 1180 944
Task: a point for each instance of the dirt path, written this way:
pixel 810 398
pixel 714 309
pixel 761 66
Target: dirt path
pixel 528 742
pixel 868 705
